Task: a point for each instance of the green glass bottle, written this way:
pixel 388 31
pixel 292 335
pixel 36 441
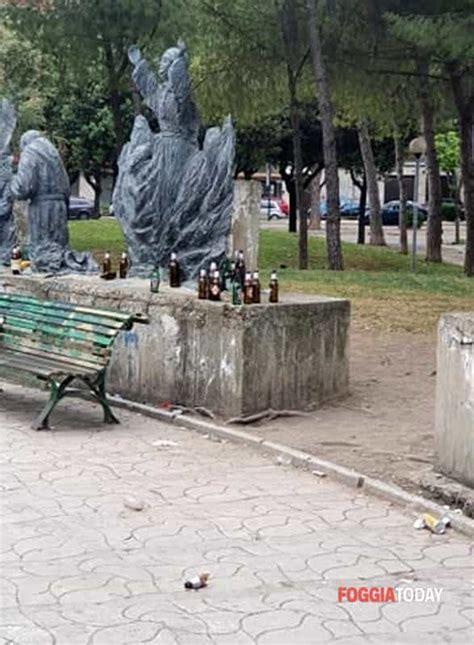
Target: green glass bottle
pixel 155 280
pixel 236 300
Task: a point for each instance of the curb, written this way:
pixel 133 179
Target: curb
pixel 301 459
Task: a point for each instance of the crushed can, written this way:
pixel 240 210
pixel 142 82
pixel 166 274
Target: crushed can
pixel 434 524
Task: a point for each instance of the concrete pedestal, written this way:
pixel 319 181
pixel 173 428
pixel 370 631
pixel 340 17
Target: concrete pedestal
pixel 455 397
pixel 232 360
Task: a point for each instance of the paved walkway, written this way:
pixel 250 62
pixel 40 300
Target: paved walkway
pixel 79 568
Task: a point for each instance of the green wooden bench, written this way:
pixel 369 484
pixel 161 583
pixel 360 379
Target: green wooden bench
pixel 59 343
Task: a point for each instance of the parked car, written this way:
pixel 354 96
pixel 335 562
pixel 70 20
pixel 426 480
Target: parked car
pixel 347 207
pixel 270 209
pixel 391 210
pixel 80 208
pixel 284 207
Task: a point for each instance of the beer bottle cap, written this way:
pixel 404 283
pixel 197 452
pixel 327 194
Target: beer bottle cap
pixel 173 256
pixel 202 273
pixel 216 274
pixel 107 255
pixel 274 275
pixel 213 266
pixel 248 275
pixel 124 255
pixel 256 275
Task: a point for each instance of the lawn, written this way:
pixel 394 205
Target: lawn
pixel 384 293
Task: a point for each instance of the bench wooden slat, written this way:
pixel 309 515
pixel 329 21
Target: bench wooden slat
pixel 35 347
pixel 42 365
pixel 20 338
pixel 64 306
pixel 55 318
pixel 13 322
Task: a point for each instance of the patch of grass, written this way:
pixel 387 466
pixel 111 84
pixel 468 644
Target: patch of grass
pixel 98 236
pixel 385 294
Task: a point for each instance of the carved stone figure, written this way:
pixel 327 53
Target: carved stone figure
pixel 7 226
pixel 42 179
pixel 171 194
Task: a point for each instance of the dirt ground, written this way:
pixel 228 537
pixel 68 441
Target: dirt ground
pixel 385 428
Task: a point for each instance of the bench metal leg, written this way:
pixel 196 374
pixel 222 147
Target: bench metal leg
pixel 56 393
pixel 97 388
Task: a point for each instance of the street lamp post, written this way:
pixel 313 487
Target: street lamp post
pixel 417 148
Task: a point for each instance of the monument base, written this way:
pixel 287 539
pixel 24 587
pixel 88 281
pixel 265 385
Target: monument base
pixel 455 397
pixel 234 361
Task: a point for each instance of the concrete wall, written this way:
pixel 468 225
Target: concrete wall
pixel 246 220
pixel 232 360
pixel 455 397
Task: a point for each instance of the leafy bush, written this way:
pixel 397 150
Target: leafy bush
pixel 448 212
pixel 409 218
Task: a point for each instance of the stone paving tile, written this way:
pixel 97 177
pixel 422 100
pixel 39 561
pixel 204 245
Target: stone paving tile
pixel 79 568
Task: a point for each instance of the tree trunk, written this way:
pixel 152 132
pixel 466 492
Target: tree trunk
pixel 298 158
pixel 333 222
pixel 115 102
pixel 464 100
pixel 402 194
pixel 289 26
pixel 315 216
pixel 434 231
pixel 456 193
pixel 361 216
pixel 292 215
pixel 376 228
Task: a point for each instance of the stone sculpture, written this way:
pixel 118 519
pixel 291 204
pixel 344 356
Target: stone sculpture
pixel 172 194
pixel 42 180
pixel 7 226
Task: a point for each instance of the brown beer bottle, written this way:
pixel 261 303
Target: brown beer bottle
pixel 256 288
pixel 215 287
pixel 16 261
pixel 203 285
pixel 106 264
pixel 123 266
pixel 248 289
pixel 273 287
pixel 175 277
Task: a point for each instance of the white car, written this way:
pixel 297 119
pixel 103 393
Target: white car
pixel 270 209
